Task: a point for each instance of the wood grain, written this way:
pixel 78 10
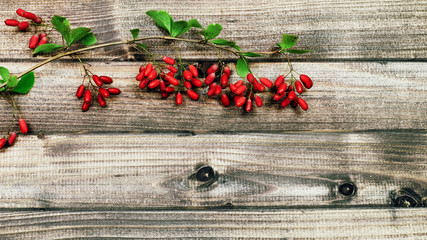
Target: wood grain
pixel 348 96
pixel 346 30
pixel 158 171
pixel 275 224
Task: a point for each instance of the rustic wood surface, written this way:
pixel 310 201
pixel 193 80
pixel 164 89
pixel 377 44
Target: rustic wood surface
pixel 131 170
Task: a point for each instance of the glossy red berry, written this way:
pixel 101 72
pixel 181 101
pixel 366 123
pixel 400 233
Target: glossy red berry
pixel 42 41
pixel 292 96
pixel 143 83
pixel 85 106
pixel 248 107
pixel 12 138
pixel 250 77
pixel 172 69
pixel 240 101
pixel 294 103
pixel 2 142
pixel 152 75
pixel 114 91
pixel 38 20
pixel 196 82
pixel 104 92
pixel 97 80
pixel 302 104
pixel 29 15
pixel 259 87
pixel 162 85
pixel 140 76
pixel 232 87
pixel 224 80
pixel 169 89
pixel 187 75
pixel 23 126
pixel 258 101
pixel 22 26
pixel 154 84
pixel 212 69
pixel 279 80
pixel 148 69
pixel 11 22
pixel 217 90
pixel 193 70
pixel 238 83
pixel 192 94
pixel 298 87
pixel 142 69
pixel 266 82
pixel 101 100
pixel 80 91
pixel 306 81
pixel 285 102
pixel 282 88
pixel 106 79
pixel 20 12
pixel 210 78
pixel 33 41
pixel 225 100
pixel 172 80
pixel 87 96
pixel 187 84
pixel 278 97
pixel 168 60
pixel 240 90
pixel 227 71
pixel 164 94
pixel 179 98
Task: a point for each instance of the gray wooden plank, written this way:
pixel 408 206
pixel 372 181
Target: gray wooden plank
pixel 275 224
pixel 348 96
pixel 346 30
pixel 164 171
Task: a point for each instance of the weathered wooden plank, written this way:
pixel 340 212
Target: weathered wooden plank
pixel 385 29
pixel 151 171
pixel 277 224
pixel 345 96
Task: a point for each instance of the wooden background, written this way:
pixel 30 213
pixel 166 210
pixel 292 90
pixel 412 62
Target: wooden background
pixel 128 171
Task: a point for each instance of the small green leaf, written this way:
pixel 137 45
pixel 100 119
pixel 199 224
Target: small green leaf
pixel 288 41
pixel 252 54
pixel 141 46
pixel 46 48
pixel 298 51
pixel 179 28
pixel 25 84
pixel 63 26
pixel 4 73
pixel 225 42
pixel 212 31
pixel 242 67
pixel 89 39
pixel 78 33
pixel 162 18
pixel 134 32
pixel 13 81
pixel 194 23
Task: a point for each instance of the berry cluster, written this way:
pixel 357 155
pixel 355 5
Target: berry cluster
pixel 286 93
pixel 182 80
pixel 11 136
pixel 102 93
pixel 37 39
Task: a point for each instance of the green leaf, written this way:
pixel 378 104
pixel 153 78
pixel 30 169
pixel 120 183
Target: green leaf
pixel 252 54
pixel 194 23
pixel 298 51
pixel 225 42
pixel 134 32
pixel 78 33
pixel 162 18
pixel 288 41
pixel 212 31
pixel 242 67
pixel 179 28
pixel 25 84
pixel 46 48
pixel 13 81
pixel 4 73
pixel 141 46
pixel 89 39
pixel 63 26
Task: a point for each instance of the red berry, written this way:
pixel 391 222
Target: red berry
pixel 42 41
pixel 114 91
pixel 12 138
pixel 266 82
pixel 23 126
pixel 258 101
pixel 154 84
pixel 213 85
pixel 192 94
pixel 294 103
pixel 104 92
pixel 22 26
pixel 172 69
pixel 232 87
pixel 278 97
pixel 178 98
pixel 282 88
pixel 164 94
pixel 152 75
pixel 33 41
pixel 101 100
pixel 97 81
pixel 171 74
pixel 212 69
pixel 285 102
pixel 259 87
pixel 85 106
pixel 2 142
pixel 238 83
pixel 29 15
pixel 187 75
pixel 196 82
pixel 140 76
pixel 240 90
pixel 240 101
pixel 298 87
pixel 38 20
pixel 143 83
pixel 148 69
pixel 169 90
pixel 141 69
pixel 279 80
pixel 162 85
pixel 168 60
pixel 302 104
pixel 87 96
pixel 42 35
pixel 227 71
pixel 217 90
pixel 211 90
pixel 80 91
pixel 225 100
pixel 106 79
pixel 187 84
pixel 20 12
pixel 11 22
pixel 172 80
pixel 193 70
pixel 248 107
pixel 250 77
pixel 224 80
pixel 210 78
pixel 306 81
pixel 292 96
